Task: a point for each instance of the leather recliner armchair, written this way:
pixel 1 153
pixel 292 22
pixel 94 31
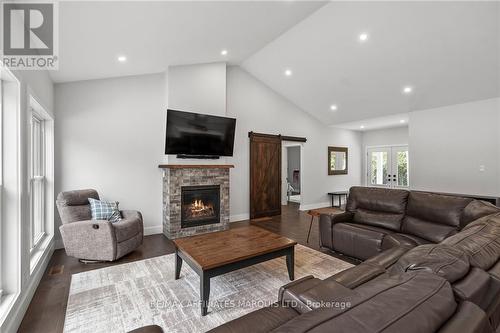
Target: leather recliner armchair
pixel 96 240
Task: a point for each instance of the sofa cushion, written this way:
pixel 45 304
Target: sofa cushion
pixel 377 206
pixel 105 210
pixel 385 220
pixel 358 241
pixel 433 216
pixel 446 261
pixel 397 239
pixel 480 240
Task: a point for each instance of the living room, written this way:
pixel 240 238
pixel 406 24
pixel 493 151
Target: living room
pixel 250 166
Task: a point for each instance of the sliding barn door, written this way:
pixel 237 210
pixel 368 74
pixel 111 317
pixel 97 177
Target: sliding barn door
pixel 265 175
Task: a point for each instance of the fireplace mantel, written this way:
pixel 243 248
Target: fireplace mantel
pixel 195 166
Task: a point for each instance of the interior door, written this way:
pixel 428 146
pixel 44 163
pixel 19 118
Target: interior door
pixel 265 175
pixel 388 167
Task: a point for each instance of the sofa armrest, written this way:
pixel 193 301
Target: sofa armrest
pixel 131 214
pixel 357 275
pixel 90 239
pixel 326 222
pixel 130 225
pixel 328 294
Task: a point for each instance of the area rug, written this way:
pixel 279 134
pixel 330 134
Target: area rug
pixel 124 297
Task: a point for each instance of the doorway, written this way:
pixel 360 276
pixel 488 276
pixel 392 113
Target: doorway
pixel 292 174
pixel 388 166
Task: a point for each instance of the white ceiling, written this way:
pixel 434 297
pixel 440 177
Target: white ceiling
pixel 156 34
pixel 448 51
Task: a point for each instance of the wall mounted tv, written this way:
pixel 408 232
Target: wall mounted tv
pixel 194 135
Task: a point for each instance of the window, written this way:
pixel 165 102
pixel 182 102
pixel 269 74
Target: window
pixel 37 179
pixel 388 166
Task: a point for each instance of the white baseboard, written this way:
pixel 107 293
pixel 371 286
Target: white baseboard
pixel 315 205
pixel 154 230
pixel 18 310
pixel 239 217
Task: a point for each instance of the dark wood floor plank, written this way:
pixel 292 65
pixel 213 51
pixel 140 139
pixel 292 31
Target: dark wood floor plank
pixel 47 309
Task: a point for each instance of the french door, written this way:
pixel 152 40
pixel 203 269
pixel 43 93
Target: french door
pixel 388 166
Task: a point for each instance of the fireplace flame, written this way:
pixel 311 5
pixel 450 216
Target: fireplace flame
pixel 199 209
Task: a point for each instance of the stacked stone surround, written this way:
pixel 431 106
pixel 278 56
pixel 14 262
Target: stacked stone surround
pixel 174 179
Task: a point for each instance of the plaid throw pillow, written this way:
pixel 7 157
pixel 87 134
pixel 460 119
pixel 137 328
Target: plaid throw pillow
pixel 105 210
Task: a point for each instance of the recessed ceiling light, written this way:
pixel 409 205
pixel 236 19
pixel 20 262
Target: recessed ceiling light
pixel 407 90
pixel 122 58
pixel 288 72
pixel 363 37
pixel 362 126
pixel 333 107
pixel 223 52
pixel 402 121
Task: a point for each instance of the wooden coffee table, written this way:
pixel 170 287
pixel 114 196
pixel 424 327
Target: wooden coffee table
pixel 222 252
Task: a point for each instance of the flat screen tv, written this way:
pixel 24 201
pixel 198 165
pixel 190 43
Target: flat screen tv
pixel 199 135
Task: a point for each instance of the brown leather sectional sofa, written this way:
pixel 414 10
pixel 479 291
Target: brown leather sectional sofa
pixel 431 264
pixel 377 219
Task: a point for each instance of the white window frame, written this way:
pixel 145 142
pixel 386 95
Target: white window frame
pixel 37 245
pixel 37 162
pixel 390 150
pixel 1 178
pixel 11 212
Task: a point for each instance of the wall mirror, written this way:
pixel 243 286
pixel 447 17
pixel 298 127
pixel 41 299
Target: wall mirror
pixel 337 160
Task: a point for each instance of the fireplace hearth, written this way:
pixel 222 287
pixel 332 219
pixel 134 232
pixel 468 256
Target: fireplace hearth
pixel 200 205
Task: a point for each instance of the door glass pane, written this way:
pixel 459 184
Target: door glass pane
pixel 378 168
pixel 402 160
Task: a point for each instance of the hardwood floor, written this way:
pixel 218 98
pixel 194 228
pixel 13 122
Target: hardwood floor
pixel 48 307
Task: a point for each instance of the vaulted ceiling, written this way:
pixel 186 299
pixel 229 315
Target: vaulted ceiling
pixel 156 34
pixel 447 52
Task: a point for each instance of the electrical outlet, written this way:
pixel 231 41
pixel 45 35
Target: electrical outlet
pixel 482 168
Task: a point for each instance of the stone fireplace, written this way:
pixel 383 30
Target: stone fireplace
pixel 195 199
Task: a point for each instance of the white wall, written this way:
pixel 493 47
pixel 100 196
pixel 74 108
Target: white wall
pixel 383 137
pixel 387 136
pixel 449 144
pixel 110 136
pixel 259 109
pixel 198 88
